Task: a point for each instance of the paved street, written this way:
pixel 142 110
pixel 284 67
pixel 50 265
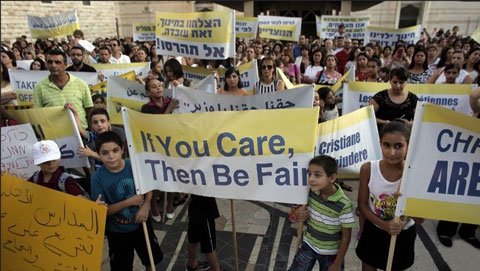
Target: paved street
pixel 266 241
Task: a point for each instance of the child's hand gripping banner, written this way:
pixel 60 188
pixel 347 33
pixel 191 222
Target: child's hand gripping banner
pixel 44 229
pixel 351 139
pixel 204 35
pixel 253 155
pixel 441 179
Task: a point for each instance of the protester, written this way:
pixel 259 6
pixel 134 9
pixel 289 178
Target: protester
pixel 458 59
pixel 114 183
pixel 99 101
pixel 361 69
pixel 159 105
pixel 233 85
pixel 329 218
pixel 472 63
pixel 329 76
pixel 312 72
pixel 268 82
pixel 7 94
pixel 78 65
pixel 46 155
pixel 8 58
pixel 377 198
pixel 343 55
pixel 374 65
pixel 61 87
pixel 395 102
pixel 174 74
pixel 418 72
pixel 117 55
pixel 104 55
pixel 38 65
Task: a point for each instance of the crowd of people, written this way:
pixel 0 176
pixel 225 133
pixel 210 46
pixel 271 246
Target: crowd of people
pixel 442 58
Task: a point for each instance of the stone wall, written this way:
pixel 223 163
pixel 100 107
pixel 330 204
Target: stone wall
pixel 96 19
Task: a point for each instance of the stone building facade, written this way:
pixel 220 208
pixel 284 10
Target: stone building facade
pixel 112 18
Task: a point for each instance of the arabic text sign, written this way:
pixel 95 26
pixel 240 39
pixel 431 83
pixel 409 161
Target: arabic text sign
pixel 55 123
pixel 441 178
pixel 246 27
pixel 355 27
pixel 53 26
pixel 205 35
pixel 55 231
pixel 279 28
pixel 452 96
pixel 123 92
pixel 200 101
pixel 255 155
pixel 17 157
pixel 390 36
pixel 352 139
pixel 144 32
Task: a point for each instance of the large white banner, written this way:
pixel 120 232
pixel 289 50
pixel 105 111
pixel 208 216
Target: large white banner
pixel 246 27
pixel 204 35
pixel 351 139
pixel 200 101
pixel 253 155
pixel 279 27
pixel 17 151
pixel 441 177
pixel 452 96
pixel 390 36
pixel 23 82
pixel 144 31
pixel 355 27
pixel 62 24
pixel 123 92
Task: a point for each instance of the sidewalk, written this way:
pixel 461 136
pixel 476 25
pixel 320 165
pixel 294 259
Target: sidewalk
pixel 266 241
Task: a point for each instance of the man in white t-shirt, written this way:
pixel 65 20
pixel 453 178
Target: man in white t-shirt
pixel 117 56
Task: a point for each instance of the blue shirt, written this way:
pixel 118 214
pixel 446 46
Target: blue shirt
pixel 116 187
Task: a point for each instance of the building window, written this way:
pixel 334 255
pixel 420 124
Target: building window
pixel 86 3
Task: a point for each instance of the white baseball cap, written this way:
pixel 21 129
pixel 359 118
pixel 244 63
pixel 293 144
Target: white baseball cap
pixel 44 151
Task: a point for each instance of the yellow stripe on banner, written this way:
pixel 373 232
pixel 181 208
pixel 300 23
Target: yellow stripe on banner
pixel 243 131
pixel 119 66
pixel 439 114
pixel 441 210
pixel 114 107
pixel 367 86
pixel 440 89
pixel 63 30
pixel 344 121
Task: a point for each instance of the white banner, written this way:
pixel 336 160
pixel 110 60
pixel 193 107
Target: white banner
pixel 23 82
pixel 204 35
pixel 199 101
pixel 207 84
pixel 452 96
pixel 17 150
pixel 62 24
pixel 123 92
pixel 279 28
pixel 441 176
pixel 246 27
pixel 352 139
pixel 355 27
pixel 144 31
pixel 253 155
pixel 110 70
pixel 390 36
pixel 24 64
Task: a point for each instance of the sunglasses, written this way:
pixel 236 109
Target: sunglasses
pixel 267 67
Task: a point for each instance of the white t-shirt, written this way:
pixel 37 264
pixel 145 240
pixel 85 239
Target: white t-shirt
pixel 441 79
pixel 312 71
pixel 122 59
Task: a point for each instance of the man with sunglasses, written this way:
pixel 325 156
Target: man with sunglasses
pixel 117 55
pixel 76 54
pixel 61 87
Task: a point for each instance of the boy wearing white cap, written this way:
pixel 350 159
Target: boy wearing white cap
pixel 46 155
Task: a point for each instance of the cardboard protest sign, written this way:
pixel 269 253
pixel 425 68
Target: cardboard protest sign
pixel 55 231
pixel 62 24
pixel 355 27
pixel 110 70
pixel 390 36
pixel 123 92
pixel 17 156
pixel 144 31
pixel 279 27
pixel 246 27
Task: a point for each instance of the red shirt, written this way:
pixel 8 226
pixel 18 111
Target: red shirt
pixel 71 186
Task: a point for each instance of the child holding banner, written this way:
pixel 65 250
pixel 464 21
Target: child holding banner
pixel 159 105
pixel 126 210
pixel 46 155
pixel 329 218
pixel 377 199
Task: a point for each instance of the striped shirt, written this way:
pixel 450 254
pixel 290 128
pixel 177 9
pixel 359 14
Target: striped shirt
pixel 326 220
pixel 47 94
pixel 262 88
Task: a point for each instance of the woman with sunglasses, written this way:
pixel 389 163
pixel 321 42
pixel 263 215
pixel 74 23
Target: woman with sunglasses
pixel 268 81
